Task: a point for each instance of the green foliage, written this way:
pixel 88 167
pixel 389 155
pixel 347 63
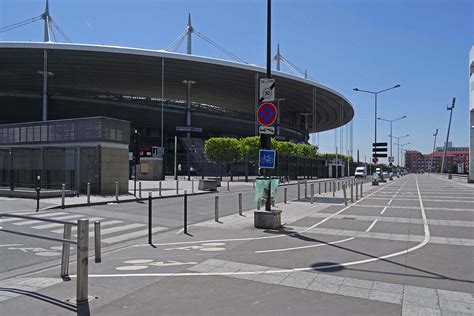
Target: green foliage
pixel 249 147
pixel 340 156
pixel 222 150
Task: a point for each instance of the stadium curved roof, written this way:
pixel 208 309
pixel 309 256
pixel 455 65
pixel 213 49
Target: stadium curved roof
pixel 137 72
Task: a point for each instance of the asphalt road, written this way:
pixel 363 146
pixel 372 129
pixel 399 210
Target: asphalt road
pixel 405 249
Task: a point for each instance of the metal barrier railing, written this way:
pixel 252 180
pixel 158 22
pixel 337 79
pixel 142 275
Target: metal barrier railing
pixel 82 244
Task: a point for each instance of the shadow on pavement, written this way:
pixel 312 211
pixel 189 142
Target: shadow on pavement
pixel 332 266
pixel 44 298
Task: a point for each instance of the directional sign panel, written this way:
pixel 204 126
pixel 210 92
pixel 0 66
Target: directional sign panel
pixel 379 144
pixel 267 90
pixel 380 155
pixel 267 114
pixel 268 130
pixel 266 159
pixel 379 149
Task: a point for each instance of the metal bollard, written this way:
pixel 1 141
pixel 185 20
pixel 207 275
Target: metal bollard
pixel 140 189
pixel 345 194
pixel 338 185
pixel 66 251
pixel 285 194
pixel 63 195
pixel 192 185
pixel 82 282
pixel 150 218
pixel 333 188
pixel 116 190
pixel 97 248
pixel 361 192
pixel 319 188
pixel 258 206
pixel 357 190
pixel 88 193
pixel 299 195
pixel 240 204
pixel 352 193
pixel 312 192
pixel 185 211
pixel 305 189
pixel 325 187
pixel 216 208
pixel 159 188
pixel 228 186
pixel 177 187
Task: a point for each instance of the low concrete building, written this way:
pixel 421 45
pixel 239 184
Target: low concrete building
pixel 72 151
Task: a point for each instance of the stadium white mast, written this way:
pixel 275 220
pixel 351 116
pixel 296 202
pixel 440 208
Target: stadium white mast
pixel 189 31
pixel 278 57
pixel 47 23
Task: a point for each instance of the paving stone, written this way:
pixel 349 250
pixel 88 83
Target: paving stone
pixel 201 268
pixel 358 283
pixel 222 269
pixel 270 278
pixel 456 296
pixel 303 275
pixel 323 287
pixel 388 287
pixel 215 262
pixel 332 279
pixel 353 291
pixel 408 310
pixel 298 283
pixel 456 306
pixel 383 296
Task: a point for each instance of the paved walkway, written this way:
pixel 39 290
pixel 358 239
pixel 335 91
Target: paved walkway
pixel 405 248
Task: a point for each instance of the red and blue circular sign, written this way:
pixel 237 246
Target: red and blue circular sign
pixel 267 114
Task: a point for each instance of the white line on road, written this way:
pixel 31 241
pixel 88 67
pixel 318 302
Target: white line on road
pixel 384 209
pixel 304 247
pixel 371 225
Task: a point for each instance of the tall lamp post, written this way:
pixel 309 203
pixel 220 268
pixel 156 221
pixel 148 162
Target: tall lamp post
pixel 449 108
pixel 376 93
pixel 391 130
pixel 403 145
pixel 398 143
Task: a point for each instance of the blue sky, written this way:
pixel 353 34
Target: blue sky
pixel 371 44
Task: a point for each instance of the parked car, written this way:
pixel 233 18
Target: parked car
pixel 360 172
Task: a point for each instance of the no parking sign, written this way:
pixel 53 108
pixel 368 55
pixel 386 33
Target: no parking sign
pixel 267 114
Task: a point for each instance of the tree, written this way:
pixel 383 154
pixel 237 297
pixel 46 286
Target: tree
pixel 222 150
pixel 249 147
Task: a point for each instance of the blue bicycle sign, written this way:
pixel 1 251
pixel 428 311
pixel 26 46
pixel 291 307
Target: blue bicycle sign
pixel 266 159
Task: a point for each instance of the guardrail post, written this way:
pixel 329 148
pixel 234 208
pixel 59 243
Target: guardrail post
pixel 97 247
pixel 140 189
pixel 240 204
pixel 63 195
pixel 66 251
pixel 116 190
pixel 88 193
pixel 177 187
pixel 299 197
pixel 82 283
pixel 216 208
pixel 345 194
pixel 312 192
pixel 159 188
pixel 285 194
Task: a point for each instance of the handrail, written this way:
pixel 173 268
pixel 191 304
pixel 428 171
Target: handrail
pixel 48 220
pixel 40 237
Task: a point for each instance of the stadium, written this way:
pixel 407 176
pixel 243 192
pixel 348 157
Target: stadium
pixel 162 94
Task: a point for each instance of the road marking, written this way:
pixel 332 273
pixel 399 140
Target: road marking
pixel 23 223
pixel 102 224
pixel 46 226
pixel 384 209
pixel 11 245
pixel 133 235
pixel 120 228
pixel 372 225
pixel 304 247
pixel 22 219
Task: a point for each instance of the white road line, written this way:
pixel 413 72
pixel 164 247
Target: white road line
pixel 371 225
pixel 102 224
pixel 390 202
pixel 22 219
pixel 137 234
pixel 384 209
pixel 36 221
pixel 47 226
pixel 304 247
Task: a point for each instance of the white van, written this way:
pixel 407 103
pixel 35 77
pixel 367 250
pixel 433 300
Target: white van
pixel 360 172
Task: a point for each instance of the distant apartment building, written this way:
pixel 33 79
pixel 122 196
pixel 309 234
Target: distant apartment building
pixel 457 160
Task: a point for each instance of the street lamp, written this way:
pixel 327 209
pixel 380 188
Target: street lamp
pixel 375 93
pixel 401 145
pixel 398 143
pixel 391 122
pixel 434 147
